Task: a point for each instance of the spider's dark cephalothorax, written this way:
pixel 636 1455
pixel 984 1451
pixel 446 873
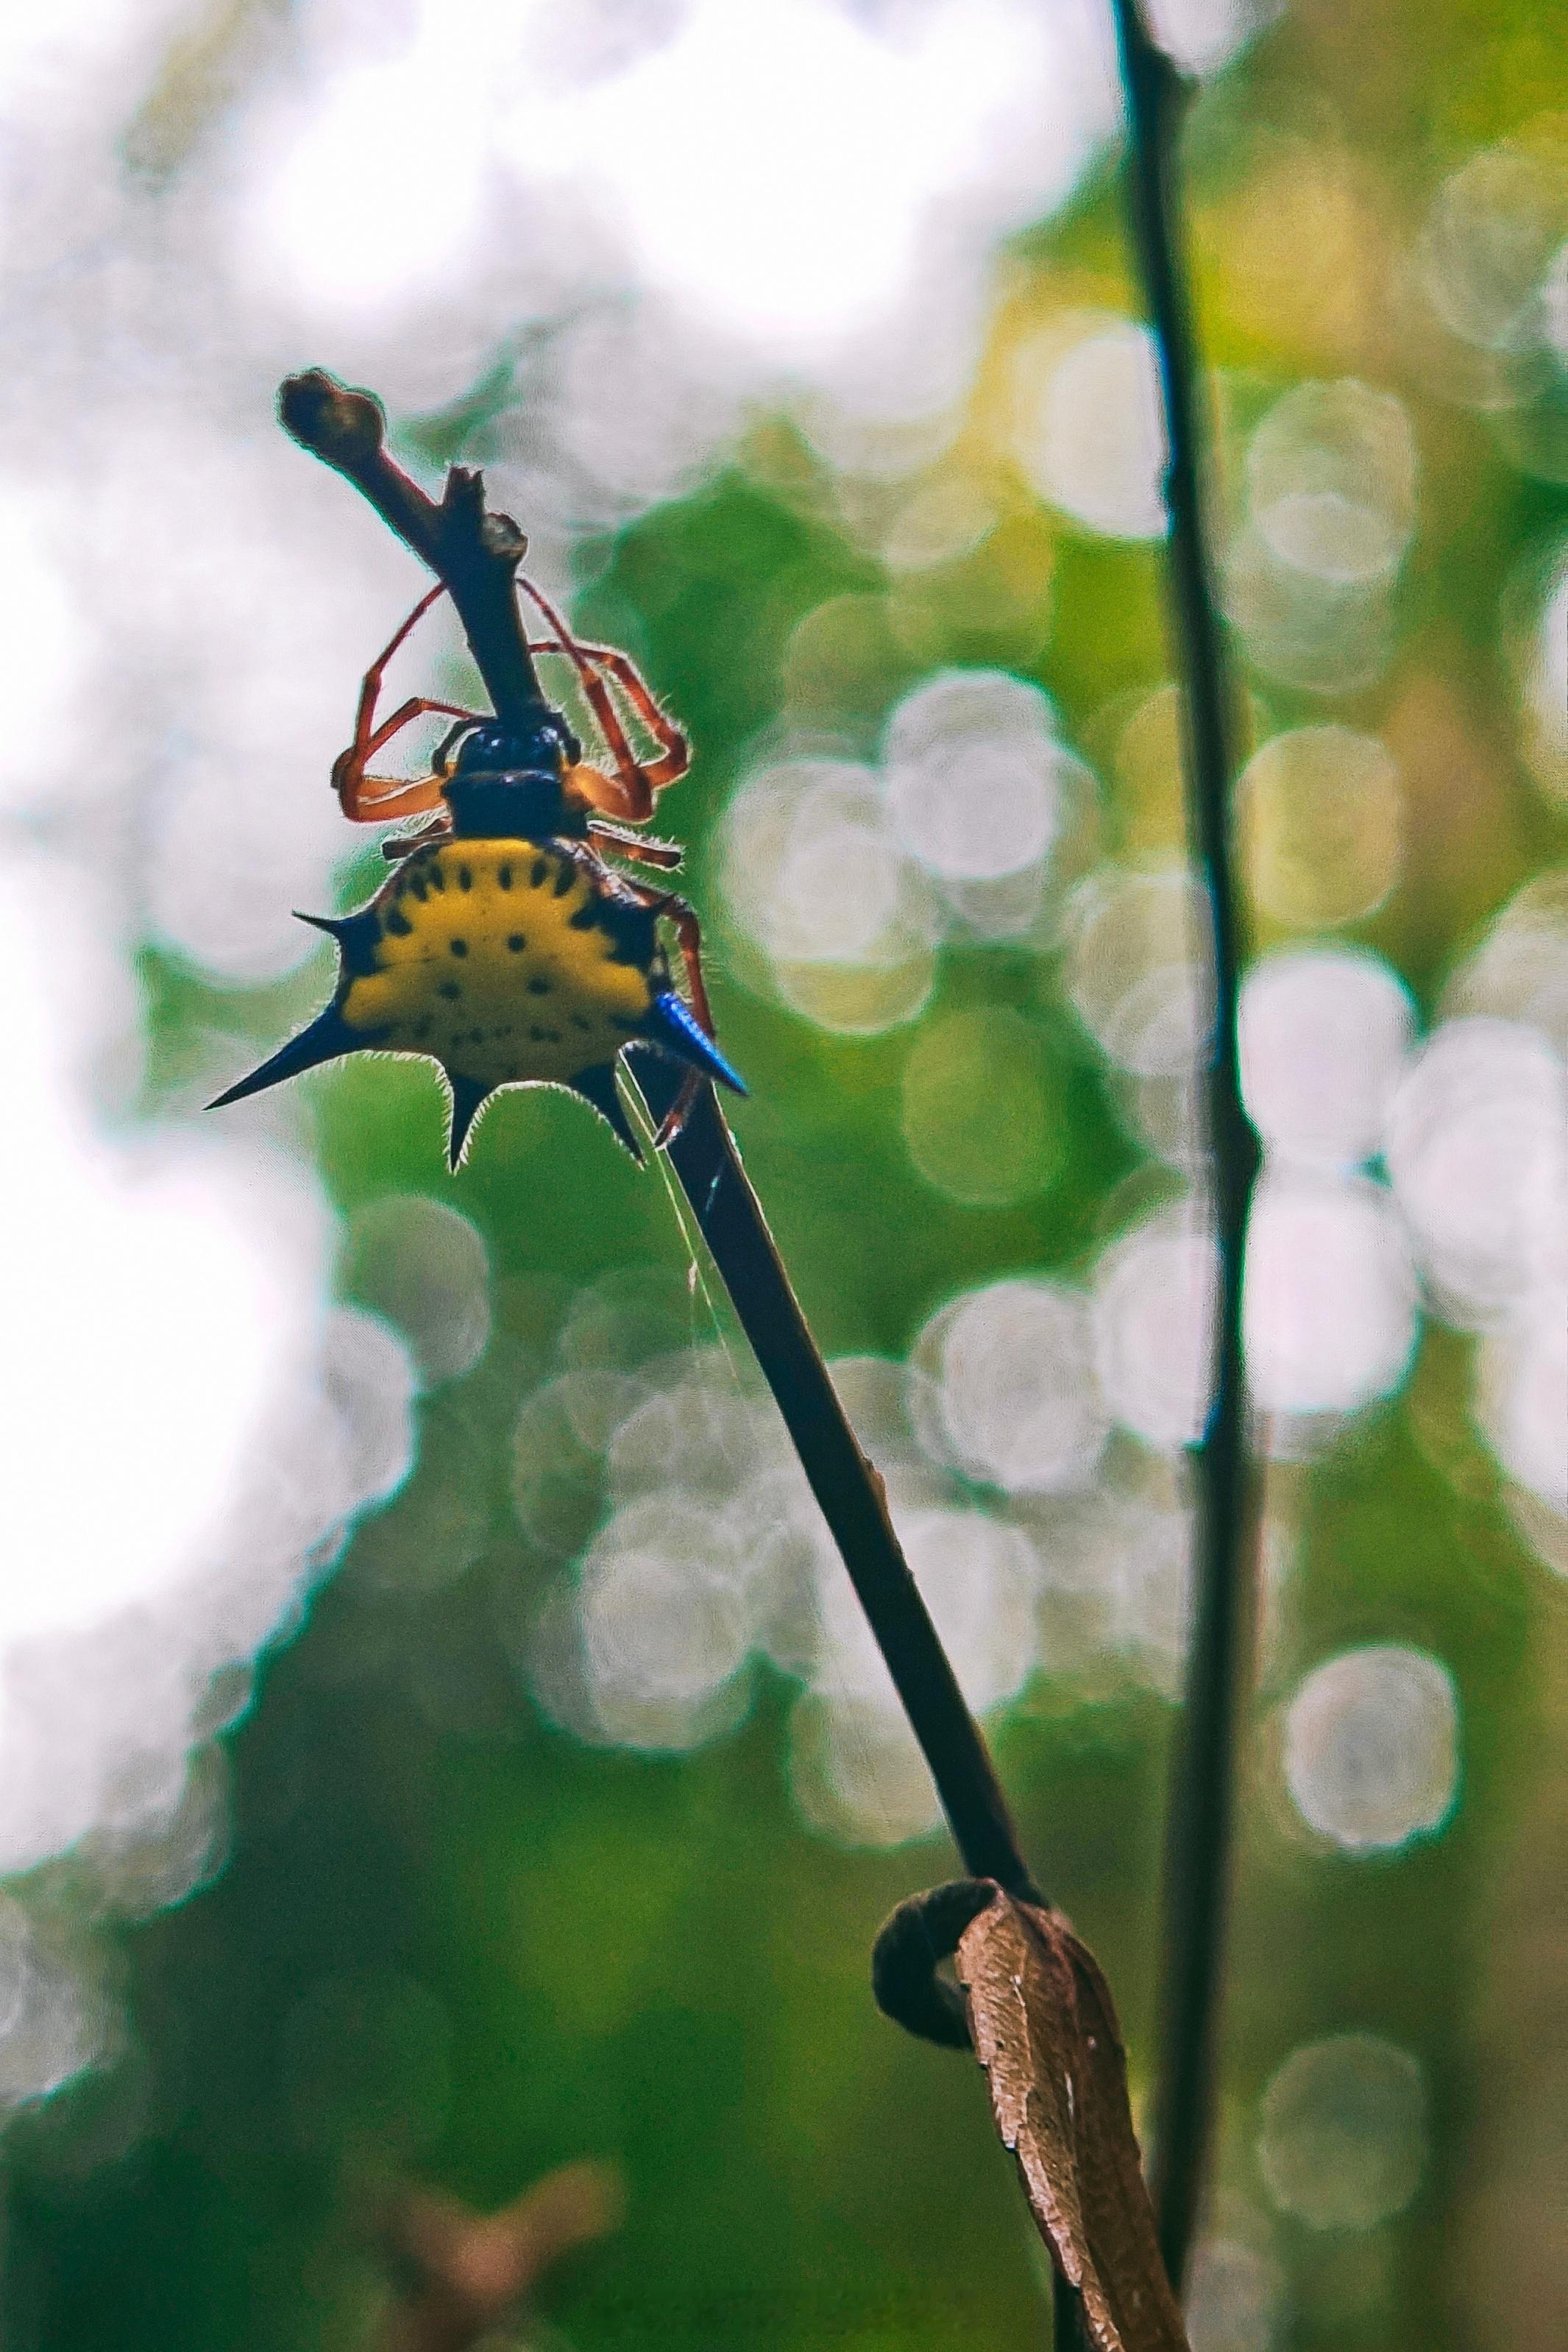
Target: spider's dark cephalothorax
pixel 510 782
pixel 503 946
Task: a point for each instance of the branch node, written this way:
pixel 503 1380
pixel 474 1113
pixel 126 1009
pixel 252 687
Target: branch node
pixel 500 536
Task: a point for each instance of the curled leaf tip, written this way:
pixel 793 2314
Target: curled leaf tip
pixel 910 1947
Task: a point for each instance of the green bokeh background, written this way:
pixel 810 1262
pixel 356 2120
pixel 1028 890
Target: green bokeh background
pixel 525 1949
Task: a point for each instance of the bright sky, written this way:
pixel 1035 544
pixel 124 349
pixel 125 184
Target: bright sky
pixel 155 1305
pixel 773 165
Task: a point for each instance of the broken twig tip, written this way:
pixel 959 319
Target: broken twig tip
pixel 331 419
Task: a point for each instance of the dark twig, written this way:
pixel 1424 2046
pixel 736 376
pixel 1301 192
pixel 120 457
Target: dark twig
pixel 1201 1831
pixel 848 1489
pixel 477 554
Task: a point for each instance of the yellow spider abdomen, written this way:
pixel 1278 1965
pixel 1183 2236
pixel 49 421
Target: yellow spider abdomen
pixel 507 961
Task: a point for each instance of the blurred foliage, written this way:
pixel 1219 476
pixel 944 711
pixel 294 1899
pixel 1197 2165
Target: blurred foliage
pixel 553 1950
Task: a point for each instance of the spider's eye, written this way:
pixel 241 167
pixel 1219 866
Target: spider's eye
pixel 542 749
pixel 485 751
pixel 550 746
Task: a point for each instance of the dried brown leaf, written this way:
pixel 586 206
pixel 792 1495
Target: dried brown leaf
pixel 1044 2028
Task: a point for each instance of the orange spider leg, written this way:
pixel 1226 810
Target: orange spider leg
pixel 675 752
pixel 688 932
pixel 403 844
pixel 391 796
pixel 635 845
pixel 370 684
pixel 675 756
pixel 369 800
pixel 629 791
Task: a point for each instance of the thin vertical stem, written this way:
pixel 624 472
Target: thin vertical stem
pixel 731 1219
pixel 1203 1796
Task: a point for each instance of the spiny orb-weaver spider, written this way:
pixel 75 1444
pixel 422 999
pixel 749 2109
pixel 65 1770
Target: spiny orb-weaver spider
pixel 503 946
